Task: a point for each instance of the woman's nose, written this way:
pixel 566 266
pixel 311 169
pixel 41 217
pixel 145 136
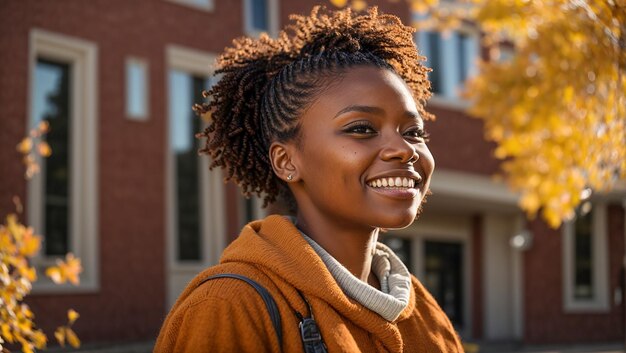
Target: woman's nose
pixel 397 147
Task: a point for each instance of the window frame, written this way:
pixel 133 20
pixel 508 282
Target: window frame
pixel 212 220
pixel 600 266
pixel 273 18
pixel 81 56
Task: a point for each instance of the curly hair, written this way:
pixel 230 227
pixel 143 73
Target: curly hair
pixel 267 83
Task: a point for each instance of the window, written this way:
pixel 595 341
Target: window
pixel 137 89
pixel 51 103
pixel 261 16
pixel 443 277
pixel 585 261
pixel 196 226
pixel 195 205
pixel 452 58
pixel 185 90
pixel 401 247
pixel 62 199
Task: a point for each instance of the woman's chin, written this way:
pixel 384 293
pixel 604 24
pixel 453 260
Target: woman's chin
pixel 398 221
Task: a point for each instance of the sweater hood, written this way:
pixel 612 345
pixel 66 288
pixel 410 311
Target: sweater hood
pixel 276 247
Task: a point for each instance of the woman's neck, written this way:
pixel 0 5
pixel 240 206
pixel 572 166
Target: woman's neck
pixel 353 248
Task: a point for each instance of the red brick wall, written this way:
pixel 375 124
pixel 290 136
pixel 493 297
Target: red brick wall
pixel 545 321
pixel 456 142
pixel 131 155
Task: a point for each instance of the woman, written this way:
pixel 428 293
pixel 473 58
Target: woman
pixel 330 116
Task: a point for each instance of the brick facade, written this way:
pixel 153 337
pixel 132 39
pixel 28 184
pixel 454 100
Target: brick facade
pixel 131 302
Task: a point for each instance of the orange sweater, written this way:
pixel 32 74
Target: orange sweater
pixel 228 315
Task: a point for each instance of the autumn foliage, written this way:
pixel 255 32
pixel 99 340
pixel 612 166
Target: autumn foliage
pixel 19 245
pixel 556 106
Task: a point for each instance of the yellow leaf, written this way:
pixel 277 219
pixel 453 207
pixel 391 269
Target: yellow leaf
pixel 72 268
pixel 43 127
pixel 39 338
pixel 419 6
pixel 339 3
pixel 59 334
pixel 44 149
pixel 30 243
pixel 27 347
pixel 55 274
pixel 72 315
pixel 25 145
pixel 67 270
pixel 5 330
pixel 358 5
pixel 72 339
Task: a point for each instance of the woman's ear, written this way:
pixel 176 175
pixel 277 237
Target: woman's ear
pixel 281 159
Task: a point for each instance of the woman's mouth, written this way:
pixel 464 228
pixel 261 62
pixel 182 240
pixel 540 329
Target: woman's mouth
pixel 392 182
pixel 404 188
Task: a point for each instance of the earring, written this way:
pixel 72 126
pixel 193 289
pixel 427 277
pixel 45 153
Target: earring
pixel 290 177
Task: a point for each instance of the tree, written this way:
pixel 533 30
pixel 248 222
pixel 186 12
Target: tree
pixel 557 107
pixel 18 245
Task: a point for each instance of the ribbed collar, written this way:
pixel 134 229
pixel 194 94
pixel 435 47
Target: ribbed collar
pixel 395 281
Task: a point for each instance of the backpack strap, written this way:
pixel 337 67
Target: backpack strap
pixel 310 334
pixel 272 308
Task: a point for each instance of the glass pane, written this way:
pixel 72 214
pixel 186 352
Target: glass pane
pixel 434 46
pixel 583 262
pixel 184 91
pixel 444 277
pixel 52 103
pixel 467 55
pixel 136 84
pixel 260 20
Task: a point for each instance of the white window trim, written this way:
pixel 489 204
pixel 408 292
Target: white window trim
pixel 146 91
pixel 212 215
pixel 600 302
pixel 273 17
pixel 209 7
pixel 82 55
pixel 472 186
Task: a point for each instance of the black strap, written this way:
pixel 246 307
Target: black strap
pixel 310 334
pixel 272 309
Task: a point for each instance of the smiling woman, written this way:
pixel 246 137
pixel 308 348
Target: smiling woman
pixel 330 115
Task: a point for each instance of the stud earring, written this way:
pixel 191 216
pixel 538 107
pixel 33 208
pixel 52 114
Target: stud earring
pixel 290 177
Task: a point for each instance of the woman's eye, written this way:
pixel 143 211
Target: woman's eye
pixel 418 134
pixel 360 129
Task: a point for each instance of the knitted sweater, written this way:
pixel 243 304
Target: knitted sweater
pixel 227 315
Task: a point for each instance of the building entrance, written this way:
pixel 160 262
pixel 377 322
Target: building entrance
pixel 443 277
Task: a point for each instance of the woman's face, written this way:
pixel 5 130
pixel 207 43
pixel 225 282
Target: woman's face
pixel 361 158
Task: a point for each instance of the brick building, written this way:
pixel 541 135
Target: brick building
pixel 126 191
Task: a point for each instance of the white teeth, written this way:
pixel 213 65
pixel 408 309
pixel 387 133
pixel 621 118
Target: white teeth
pixel 393 182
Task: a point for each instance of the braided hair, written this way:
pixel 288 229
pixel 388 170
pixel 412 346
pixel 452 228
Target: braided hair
pixel 267 83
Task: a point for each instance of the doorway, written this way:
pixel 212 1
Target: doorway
pixel 443 277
